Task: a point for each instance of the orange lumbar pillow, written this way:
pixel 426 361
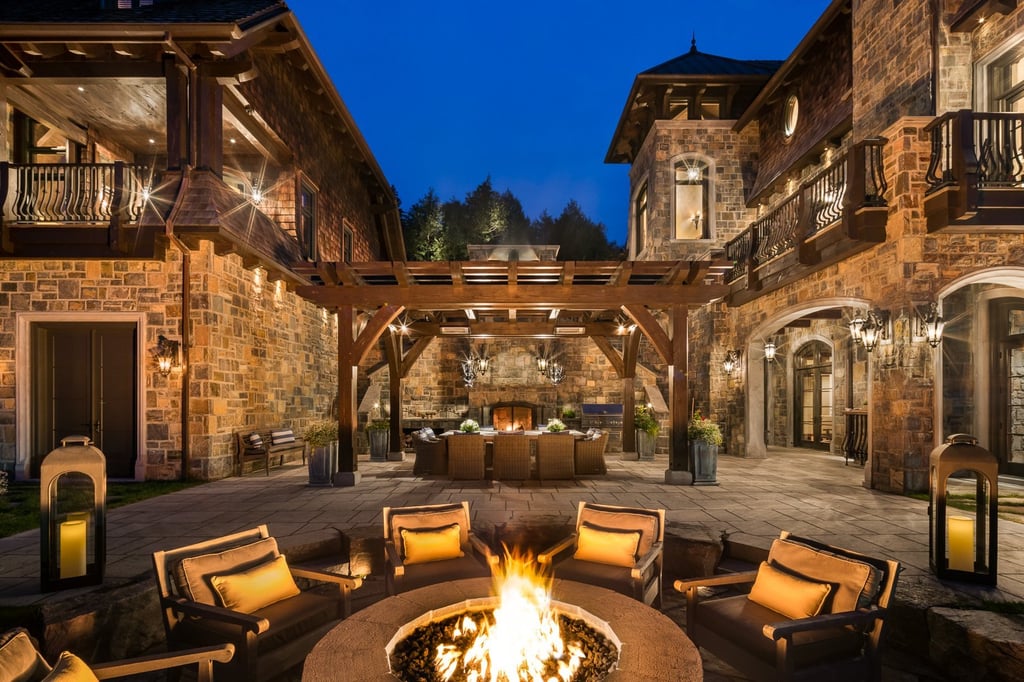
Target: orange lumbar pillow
pixel 788 594
pixel 261 586
pixel 432 544
pixel 70 668
pixel 613 547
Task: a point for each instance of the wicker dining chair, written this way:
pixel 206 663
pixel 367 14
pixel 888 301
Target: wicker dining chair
pixel 555 456
pixel 589 457
pixel 466 456
pixel 511 457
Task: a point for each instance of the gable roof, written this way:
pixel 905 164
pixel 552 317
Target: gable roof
pixel 697 63
pixel 180 12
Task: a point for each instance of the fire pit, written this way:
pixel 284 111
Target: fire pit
pixel 651 647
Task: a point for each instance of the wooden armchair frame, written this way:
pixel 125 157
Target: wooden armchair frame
pixel 247 630
pixel 784 633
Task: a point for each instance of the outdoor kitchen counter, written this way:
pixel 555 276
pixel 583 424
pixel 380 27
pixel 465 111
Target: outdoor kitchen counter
pixel 654 649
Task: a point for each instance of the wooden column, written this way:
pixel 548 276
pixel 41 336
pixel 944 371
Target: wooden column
pixel 678 394
pixel 630 351
pixel 393 351
pixel 209 123
pixel 347 369
pixel 176 82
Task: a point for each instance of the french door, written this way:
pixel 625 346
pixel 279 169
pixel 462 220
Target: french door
pixel 812 393
pixel 83 383
pixel 1007 434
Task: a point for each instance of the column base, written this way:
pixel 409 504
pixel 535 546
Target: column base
pixel 678 477
pixel 346 479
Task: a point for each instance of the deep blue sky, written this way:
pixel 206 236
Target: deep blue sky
pixel 449 92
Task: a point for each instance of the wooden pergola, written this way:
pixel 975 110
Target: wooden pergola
pixel 534 299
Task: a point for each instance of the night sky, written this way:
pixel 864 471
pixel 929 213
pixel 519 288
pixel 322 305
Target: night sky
pixel 529 93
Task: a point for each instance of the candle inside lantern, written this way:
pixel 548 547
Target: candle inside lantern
pixel 72 549
pixel 961 543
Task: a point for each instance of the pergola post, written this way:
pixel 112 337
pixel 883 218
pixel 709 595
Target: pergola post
pixel 678 472
pixel 393 351
pixel 347 474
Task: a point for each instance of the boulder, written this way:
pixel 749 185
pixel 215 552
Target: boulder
pixel 976 645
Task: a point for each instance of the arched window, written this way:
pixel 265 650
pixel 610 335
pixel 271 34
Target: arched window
pixel 640 220
pixel 692 205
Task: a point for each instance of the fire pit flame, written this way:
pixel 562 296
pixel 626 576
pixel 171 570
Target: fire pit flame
pixel 522 639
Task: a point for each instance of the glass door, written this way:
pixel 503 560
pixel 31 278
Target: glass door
pixel 812 383
pixel 1007 436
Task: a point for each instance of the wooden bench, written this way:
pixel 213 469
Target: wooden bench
pixel 265 450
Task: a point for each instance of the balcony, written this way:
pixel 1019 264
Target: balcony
pixel 976 173
pixel 92 210
pixel 840 211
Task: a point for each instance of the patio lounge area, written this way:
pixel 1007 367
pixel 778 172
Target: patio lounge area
pixel 756 499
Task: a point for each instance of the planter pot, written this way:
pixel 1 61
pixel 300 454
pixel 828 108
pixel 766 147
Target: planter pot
pixel 705 462
pixel 378 445
pixel 323 462
pixel 645 444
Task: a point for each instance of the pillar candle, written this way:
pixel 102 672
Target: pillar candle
pixel 961 543
pixel 72 549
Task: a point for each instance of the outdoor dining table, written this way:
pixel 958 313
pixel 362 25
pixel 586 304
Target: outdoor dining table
pixel 532 434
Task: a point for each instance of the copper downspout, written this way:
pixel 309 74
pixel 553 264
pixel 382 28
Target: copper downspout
pixel 186 313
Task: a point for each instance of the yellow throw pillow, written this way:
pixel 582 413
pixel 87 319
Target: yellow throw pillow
pixel 70 668
pixel 784 592
pixel 251 590
pixel 432 544
pixel 19 658
pixel 613 547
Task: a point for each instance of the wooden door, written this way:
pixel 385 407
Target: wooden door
pixel 1007 434
pixel 84 384
pixel 812 387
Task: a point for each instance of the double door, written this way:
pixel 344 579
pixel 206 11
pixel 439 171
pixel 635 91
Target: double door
pixel 812 382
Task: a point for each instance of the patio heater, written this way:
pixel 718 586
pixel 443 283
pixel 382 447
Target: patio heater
pixel 72 515
pixel 962 540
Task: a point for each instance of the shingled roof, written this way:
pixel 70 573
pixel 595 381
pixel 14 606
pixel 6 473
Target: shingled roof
pixel 180 12
pixel 697 63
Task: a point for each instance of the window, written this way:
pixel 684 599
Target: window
pixel 790 116
pixel 346 247
pixel 307 220
pixel 691 207
pixel 640 220
pixel 1006 83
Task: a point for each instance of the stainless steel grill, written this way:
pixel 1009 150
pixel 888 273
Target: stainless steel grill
pixel 607 417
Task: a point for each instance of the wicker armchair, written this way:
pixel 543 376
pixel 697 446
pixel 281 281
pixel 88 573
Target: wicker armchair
pixel 431 454
pixel 511 457
pixel 466 456
pixel 555 456
pixel 589 457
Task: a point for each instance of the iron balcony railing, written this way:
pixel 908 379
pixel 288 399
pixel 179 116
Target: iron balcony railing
pixel 976 150
pixel 853 181
pixel 88 194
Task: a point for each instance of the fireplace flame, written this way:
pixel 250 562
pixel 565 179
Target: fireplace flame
pixel 523 638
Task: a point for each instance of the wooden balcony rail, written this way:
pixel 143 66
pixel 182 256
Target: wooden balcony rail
pixel 57 193
pixel 852 182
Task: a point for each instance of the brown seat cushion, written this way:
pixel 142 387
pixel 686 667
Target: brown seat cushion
pixel 194 573
pixel 613 519
pixel 742 621
pixel 854 582
pixel 468 566
pixel 20 661
pixel 616 578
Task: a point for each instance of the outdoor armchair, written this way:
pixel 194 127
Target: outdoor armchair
pixel 431 453
pixel 466 456
pixel 619 548
pixel 239 588
pixel 811 611
pixel 555 456
pixel 430 544
pixel 589 455
pixel 511 459
pixel 20 660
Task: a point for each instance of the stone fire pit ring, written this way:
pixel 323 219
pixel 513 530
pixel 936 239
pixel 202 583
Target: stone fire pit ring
pixel 654 649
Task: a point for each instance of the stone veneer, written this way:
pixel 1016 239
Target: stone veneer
pixel 258 359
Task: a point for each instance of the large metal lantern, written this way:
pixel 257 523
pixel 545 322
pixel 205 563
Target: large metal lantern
pixel 962 541
pixel 72 515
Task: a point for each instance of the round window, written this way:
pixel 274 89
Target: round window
pixel 790 115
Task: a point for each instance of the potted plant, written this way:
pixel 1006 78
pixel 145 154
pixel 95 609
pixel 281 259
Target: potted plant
pixel 378 431
pixel 571 417
pixel 705 436
pixel 469 426
pixel 555 425
pixel 646 431
pixel 322 439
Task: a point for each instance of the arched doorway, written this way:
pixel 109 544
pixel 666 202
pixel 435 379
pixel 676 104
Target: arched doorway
pixel 812 396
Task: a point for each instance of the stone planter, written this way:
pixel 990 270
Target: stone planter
pixel 645 444
pixel 705 462
pixel 378 444
pixel 323 463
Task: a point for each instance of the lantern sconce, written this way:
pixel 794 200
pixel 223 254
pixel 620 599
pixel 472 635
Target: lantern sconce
pixel 961 547
pixel 857 326
pixel 732 361
pixel 72 515
pixel 875 329
pixel 930 326
pixel 167 355
pixel 769 350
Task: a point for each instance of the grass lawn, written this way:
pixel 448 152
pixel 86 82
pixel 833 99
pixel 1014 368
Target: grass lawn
pixel 19 508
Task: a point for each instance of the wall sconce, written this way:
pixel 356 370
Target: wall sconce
pixel 256 193
pixel 857 326
pixel 732 361
pixel 769 351
pixel 875 329
pixel 932 325
pixel 556 373
pixel 167 355
pixel 961 547
pixel 72 515
pixel 468 372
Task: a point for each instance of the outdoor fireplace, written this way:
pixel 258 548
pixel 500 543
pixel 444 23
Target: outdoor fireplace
pixel 511 416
